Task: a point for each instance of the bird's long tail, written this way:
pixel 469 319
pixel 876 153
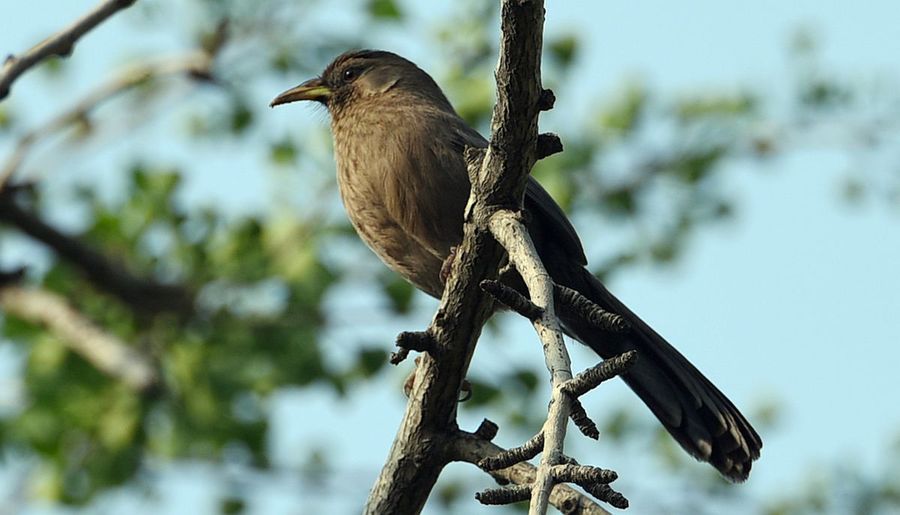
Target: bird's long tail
pixel 691 408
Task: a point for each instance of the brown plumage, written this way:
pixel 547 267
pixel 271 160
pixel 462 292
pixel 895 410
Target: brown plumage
pixel 399 150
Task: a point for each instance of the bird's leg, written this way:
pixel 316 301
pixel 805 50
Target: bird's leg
pixel 447 265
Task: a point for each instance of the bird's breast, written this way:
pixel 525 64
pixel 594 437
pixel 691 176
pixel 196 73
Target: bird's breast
pixel 400 197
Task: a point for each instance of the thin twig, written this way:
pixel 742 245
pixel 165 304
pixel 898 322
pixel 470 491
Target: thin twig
pixel 106 352
pixel 60 44
pixel 582 421
pixel 603 371
pixel 524 452
pixel 469 448
pixel 419 341
pixel 583 475
pixel 589 311
pixel 512 299
pixel 504 495
pixel 196 64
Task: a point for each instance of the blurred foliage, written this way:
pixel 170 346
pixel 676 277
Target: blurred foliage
pixel 635 161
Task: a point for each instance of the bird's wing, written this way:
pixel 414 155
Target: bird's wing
pixel 553 223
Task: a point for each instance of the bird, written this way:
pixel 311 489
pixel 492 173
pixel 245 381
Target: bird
pixel 399 151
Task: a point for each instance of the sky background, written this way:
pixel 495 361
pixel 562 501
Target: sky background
pixel 797 299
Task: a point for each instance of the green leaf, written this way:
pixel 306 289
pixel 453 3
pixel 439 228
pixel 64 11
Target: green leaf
pixel 564 49
pixel 482 393
pixel 624 115
pixel 370 360
pixel 399 292
pixel 725 105
pixel 283 153
pixel 233 505
pixel 526 378
pixel 620 201
pixel 16 328
pixel 820 93
pixel 241 117
pixel 385 10
pixel 6 118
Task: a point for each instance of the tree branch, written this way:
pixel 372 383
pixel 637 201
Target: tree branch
pixel 513 235
pixel 197 64
pixel 106 352
pixel 469 448
pixel 420 449
pixel 144 295
pixel 60 44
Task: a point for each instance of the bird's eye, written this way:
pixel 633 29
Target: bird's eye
pixel 350 74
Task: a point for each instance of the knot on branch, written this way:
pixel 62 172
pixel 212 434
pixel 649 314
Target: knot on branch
pixel 510 457
pixel 512 299
pixel 419 341
pixel 487 430
pixel 505 495
pixel 465 392
pixel 589 311
pixel 548 144
pixel 546 100
pixel 594 376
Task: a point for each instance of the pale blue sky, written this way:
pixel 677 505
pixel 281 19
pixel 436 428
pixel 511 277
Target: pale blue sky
pixel 797 299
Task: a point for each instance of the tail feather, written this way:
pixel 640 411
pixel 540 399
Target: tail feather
pixel 699 416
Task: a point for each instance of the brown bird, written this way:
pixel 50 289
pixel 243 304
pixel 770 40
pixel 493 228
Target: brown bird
pixel 399 148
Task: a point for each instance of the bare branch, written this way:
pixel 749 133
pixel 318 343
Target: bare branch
pixel 471 449
pixel 608 495
pixel 546 100
pixel 60 44
pixel 498 177
pixel 582 475
pixel 419 341
pixel 524 452
pixel 511 153
pixel 547 145
pixel 590 311
pixel 196 65
pixel 512 299
pixel 505 495
pixel 582 421
pixel 513 235
pixel 106 352
pixel 143 295
pixel 603 371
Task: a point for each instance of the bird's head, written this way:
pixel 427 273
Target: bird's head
pixel 357 76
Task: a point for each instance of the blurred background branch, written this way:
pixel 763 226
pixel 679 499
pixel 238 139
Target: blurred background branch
pixel 196 66
pixel 106 352
pixel 60 44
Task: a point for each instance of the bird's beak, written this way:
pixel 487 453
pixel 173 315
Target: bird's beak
pixel 313 89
